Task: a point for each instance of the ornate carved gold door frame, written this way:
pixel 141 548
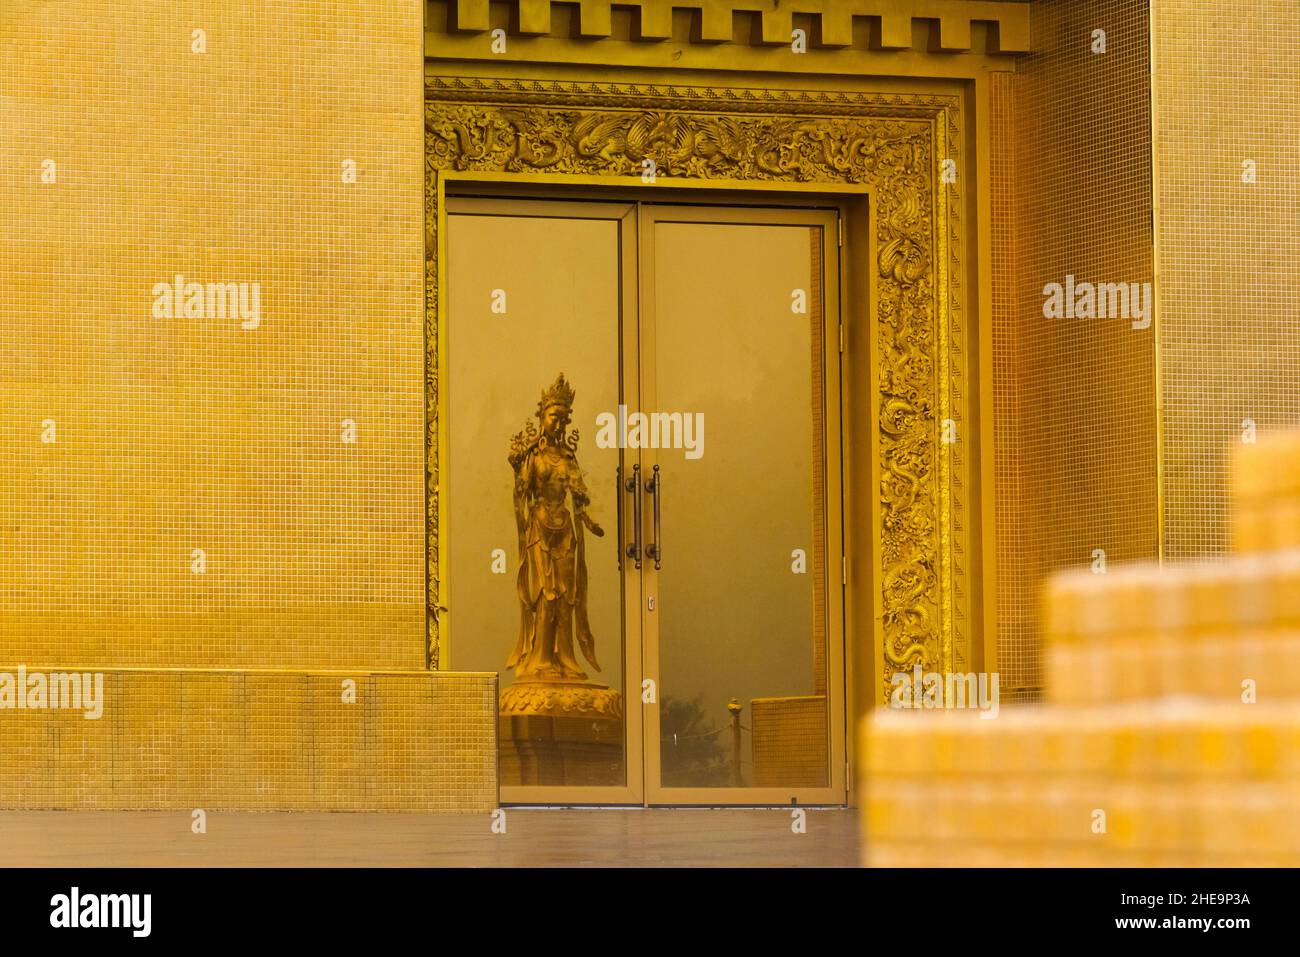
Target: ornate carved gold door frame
pixel 879 157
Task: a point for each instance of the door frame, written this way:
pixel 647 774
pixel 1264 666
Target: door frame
pixel 854 290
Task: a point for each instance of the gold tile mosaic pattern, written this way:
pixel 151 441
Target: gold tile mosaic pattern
pixel 1226 102
pixel 790 741
pixel 259 740
pixel 233 478
pixel 1017 639
pixel 1074 398
pixel 1171 736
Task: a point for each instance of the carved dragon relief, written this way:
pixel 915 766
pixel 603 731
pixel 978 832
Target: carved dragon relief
pixel 889 142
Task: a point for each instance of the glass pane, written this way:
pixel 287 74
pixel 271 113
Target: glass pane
pixel 530 298
pixel 742 614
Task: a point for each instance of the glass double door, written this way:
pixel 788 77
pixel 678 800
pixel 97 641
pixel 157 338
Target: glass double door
pixel 642 520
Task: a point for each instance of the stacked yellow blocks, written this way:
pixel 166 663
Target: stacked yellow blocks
pixel 1176 783
pixel 1266 494
pixel 1218 630
pixel 1171 731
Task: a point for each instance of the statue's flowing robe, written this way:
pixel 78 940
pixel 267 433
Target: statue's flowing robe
pixel 552 579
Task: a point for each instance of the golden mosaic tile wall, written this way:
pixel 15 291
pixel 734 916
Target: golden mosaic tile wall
pixel 1075 424
pixel 1015 605
pixel 180 486
pixel 789 741
pixel 259 740
pixel 1226 95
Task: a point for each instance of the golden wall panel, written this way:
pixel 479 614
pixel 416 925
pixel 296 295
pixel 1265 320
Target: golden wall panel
pixel 133 436
pixel 1227 195
pixel 260 740
pixel 1014 592
pixel 1075 418
pixel 790 741
pixel 25 774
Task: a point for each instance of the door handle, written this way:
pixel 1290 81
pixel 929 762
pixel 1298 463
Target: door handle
pixel 655 550
pixel 633 485
pixel 618 497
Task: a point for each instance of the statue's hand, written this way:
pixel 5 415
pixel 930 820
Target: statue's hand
pixel 595 529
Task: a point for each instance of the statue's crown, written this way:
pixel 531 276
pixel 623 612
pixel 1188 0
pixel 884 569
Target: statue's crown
pixel 560 393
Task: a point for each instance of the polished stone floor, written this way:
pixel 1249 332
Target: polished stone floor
pixel 551 837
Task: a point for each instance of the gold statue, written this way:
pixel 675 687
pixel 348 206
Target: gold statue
pixel 552 582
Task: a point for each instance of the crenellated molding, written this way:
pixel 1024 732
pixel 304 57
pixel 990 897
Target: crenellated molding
pixel 889 24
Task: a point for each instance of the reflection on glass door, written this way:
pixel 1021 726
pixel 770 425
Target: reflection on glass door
pixel 642 498
pixel 743 634
pixel 537 588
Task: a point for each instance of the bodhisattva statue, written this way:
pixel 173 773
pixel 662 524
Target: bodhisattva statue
pixel 552 580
